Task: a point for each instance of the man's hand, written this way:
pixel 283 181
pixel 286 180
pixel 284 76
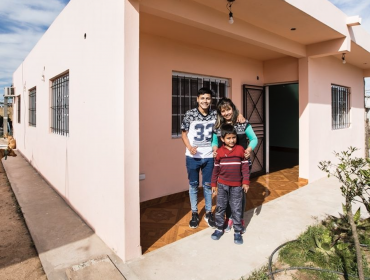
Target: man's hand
pixel 193 150
pixel 214 190
pixel 245 188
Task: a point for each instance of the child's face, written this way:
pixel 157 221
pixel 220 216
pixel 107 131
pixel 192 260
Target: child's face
pixel 229 140
pixel 204 101
pixel 227 113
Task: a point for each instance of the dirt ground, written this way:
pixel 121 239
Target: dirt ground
pixel 18 256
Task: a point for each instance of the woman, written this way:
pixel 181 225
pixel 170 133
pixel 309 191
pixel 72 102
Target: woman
pixel 228 113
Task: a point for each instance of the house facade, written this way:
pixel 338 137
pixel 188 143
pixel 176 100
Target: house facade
pixel 100 97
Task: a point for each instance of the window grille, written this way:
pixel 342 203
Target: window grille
pixel 184 95
pixel 340 107
pixel 19 109
pixel 32 107
pixel 60 105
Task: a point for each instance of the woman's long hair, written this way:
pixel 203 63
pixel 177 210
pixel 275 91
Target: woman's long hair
pixel 225 103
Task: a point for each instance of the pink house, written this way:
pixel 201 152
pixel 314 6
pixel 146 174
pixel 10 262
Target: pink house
pixel 100 97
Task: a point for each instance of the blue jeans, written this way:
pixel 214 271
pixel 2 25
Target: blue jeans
pixel 193 166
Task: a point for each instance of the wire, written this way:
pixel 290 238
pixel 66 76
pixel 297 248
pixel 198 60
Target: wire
pixel 271 273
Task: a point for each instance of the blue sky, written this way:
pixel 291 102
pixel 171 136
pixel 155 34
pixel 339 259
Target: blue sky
pixel 22 23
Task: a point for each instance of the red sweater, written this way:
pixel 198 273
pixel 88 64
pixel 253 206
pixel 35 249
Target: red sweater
pixel 230 168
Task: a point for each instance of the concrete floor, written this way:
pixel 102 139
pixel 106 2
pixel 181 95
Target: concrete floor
pixel 64 241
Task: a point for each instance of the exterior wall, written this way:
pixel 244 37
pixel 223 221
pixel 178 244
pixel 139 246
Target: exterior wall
pixel 95 168
pixel 162 159
pixel 319 140
pixel 280 70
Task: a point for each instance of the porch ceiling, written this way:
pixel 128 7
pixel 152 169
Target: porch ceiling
pixel 278 16
pixel 191 35
pixel 262 29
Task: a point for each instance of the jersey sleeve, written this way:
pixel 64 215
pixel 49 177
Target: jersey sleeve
pixel 185 122
pixel 253 140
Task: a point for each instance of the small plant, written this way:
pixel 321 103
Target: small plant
pixel 354 174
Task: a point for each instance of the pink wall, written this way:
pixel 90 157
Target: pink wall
pixel 280 70
pixel 320 140
pixel 96 167
pixel 162 159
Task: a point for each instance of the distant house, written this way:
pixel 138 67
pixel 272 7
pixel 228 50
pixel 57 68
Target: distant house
pixel 100 98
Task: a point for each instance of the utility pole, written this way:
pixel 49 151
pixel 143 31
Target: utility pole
pixel 5 118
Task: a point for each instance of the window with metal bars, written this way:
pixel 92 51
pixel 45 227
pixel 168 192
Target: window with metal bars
pixel 60 105
pixel 32 107
pixel 340 107
pixel 184 95
pixel 19 109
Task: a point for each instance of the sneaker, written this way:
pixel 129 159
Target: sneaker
pixel 217 234
pixel 238 238
pixel 194 222
pixel 209 219
pixel 243 226
pixel 229 225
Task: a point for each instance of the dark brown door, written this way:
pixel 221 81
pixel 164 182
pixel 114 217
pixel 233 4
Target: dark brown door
pixel 254 111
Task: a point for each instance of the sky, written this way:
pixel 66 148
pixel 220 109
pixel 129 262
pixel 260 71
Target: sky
pixel 23 22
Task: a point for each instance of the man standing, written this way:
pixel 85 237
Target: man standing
pixel 197 136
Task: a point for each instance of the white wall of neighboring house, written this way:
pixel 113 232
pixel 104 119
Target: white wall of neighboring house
pixel 95 168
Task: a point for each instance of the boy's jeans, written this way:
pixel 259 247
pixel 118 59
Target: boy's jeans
pixel 232 196
pixel 193 166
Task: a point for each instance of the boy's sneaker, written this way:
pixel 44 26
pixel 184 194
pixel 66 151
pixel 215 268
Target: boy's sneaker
pixel 229 225
pixel 217 234
pixel 243 226
pixel 238 238
pixel 209 219
pixel 194 222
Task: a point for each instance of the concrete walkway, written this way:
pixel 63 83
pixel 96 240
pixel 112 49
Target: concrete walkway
pixel 69 249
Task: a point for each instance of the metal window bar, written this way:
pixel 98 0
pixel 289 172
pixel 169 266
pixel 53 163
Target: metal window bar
pixel 184 94
pixel 19 110
pixel 32 107
pixel 60 105
pixel 340 107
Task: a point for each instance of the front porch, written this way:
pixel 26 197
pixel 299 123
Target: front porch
pixel 166 219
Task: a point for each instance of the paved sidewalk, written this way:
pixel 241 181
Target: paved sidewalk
pixel 67 246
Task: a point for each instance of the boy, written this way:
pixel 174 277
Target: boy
pixel 197 136
pixel 231 177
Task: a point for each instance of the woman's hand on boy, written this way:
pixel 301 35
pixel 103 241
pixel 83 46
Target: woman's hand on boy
pixel 247 153
pixel 214 148
pixel 240 119
pixel 245 188
pixel 214 190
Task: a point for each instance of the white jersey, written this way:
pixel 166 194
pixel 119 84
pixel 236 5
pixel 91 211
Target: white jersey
pixel 199 129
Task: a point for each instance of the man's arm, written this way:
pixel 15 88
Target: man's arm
pixel 185 139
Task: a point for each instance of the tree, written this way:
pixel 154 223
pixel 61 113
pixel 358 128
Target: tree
pixel 354 174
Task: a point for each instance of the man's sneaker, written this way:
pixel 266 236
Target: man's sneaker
pixel 238 238
pixel 217 234
pixel 209 219
pixel 229 225
pixel 194 222
pixel 243 226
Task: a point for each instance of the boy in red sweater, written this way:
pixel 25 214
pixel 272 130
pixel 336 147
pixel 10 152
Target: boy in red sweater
pixel 230 178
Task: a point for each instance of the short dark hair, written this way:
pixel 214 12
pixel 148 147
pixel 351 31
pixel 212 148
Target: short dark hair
pixel 204 90
pixel 227 128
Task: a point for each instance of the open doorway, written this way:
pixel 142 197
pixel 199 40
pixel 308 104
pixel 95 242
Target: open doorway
pixel 283 126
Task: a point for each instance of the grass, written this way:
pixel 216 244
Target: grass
pixel 327 245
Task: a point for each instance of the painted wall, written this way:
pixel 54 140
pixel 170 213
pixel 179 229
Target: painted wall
pixel 280 70
pixel 95 168
pixel 317 138
pixel 162 159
